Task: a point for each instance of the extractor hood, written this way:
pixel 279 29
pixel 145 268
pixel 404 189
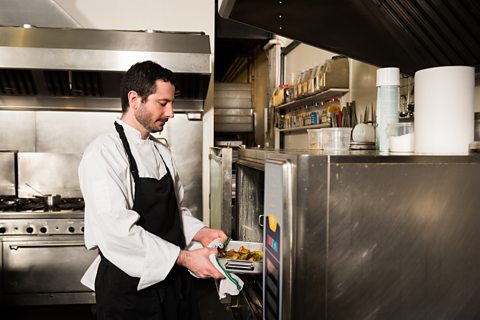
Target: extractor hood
pixel 409 34
pixel 81 69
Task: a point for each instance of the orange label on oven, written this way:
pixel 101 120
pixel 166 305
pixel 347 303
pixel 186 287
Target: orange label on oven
pixel 272 222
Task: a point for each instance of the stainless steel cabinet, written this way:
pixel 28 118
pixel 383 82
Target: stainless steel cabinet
pixel 363 236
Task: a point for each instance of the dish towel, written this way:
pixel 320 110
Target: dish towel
pixel 231 285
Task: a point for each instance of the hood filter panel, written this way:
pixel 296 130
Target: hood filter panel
pixel 17 83
pixel 59 83
pixel 95 84
pixel 71 83
pixel 191 86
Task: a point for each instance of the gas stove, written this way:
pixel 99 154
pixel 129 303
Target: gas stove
pixel 13 204
pixel 35 216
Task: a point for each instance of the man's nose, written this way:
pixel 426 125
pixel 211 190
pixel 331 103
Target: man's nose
pixel 169 111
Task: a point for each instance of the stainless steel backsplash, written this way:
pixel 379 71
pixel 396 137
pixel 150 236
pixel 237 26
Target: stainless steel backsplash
pixel 50 145
pixel 7 173
pixel 41 173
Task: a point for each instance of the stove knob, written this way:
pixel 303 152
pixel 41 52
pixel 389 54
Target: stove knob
pixel 71 229
pixel 29 230
pixel 3 229
pixel 43 229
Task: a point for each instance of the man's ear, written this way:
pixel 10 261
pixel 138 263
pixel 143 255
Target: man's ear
pixel 134 99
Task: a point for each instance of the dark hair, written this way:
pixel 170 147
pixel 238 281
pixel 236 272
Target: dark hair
pixel 141 78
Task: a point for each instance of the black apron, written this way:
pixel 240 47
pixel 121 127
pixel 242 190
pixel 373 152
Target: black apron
pixel 116 292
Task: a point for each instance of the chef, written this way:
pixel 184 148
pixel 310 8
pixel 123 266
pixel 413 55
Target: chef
pixel 133 211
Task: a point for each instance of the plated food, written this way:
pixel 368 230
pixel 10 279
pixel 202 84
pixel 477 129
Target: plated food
pixel 242 254
pixel 242 257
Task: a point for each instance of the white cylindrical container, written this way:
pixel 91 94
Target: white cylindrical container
pixel 388 96
pixel 444 110
pixel 401 137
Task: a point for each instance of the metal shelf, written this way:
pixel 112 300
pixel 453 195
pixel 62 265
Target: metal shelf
pixel 324 95
pixel 315 126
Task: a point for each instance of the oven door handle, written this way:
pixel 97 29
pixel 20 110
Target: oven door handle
pixel 46 245
pixel 239 265
pixel 261 219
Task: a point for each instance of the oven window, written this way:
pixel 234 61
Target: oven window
pixel 250 193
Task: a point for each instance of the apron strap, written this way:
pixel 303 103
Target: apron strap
pixel 131 160
pixel 163 160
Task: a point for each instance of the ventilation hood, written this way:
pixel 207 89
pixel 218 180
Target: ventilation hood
pixel 409 34
pixel 81 69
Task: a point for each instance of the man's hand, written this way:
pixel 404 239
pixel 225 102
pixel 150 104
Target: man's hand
pixel 206 235
pixel 197 261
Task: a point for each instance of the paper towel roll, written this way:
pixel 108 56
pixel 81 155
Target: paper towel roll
pixel 444 110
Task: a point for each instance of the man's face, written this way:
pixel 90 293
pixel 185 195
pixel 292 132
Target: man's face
pixel 155 112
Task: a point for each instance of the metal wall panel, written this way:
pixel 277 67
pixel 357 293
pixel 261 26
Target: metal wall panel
pixel 185 138
pixel 70 132
pixel 17 130
pixel 48 173
pixel 7 174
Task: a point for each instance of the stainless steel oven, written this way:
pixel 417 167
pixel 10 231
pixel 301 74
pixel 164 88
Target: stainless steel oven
pixel 43 256
pixel 360 235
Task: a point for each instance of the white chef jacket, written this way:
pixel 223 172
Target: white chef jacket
pixel 110 223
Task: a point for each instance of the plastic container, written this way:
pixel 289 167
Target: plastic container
pixel 401 138
pixel 388 103
pixel 315 139
pixel 336 139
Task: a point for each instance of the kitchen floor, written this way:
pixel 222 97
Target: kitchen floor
pixel 210 308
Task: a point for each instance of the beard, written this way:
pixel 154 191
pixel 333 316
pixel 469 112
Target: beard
pixel 145 118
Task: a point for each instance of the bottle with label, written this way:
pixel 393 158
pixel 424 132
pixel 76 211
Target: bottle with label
pixel 313 117
pixel 388 96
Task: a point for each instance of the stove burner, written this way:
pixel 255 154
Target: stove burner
pixel 39 204
pixel 71 204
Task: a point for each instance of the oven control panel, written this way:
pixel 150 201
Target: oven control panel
pixel 276 197
pixel 41 226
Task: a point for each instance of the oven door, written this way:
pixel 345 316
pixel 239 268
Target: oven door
pixel 249 217
pixel 45 270
pixel 221 189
